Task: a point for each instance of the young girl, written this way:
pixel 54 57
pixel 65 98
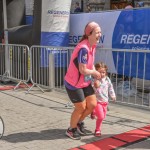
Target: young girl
pixel 103 89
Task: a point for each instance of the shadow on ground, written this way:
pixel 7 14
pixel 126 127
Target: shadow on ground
pixel 50 134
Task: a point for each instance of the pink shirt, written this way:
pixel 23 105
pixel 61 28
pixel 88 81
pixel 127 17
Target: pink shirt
pixel 73 76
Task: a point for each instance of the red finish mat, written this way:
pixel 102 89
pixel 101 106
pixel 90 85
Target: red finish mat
pixel 105 144
pixel 118 140
pixel 133 135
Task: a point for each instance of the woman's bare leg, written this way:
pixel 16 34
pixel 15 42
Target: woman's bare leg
pixel 91 103
pixel 77 113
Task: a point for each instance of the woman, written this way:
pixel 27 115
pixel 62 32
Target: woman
pixel 78 81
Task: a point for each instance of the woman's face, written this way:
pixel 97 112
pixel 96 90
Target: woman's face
pixel 95 36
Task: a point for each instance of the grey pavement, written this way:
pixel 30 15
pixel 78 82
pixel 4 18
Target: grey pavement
pixel 38 121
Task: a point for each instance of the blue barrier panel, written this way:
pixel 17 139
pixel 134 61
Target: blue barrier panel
pixel 132 32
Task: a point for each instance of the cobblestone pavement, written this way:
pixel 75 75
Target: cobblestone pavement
pixel 38 121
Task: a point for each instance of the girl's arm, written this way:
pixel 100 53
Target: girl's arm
pixel 96 83
pixel 111 92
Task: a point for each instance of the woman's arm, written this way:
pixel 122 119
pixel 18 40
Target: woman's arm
pixel 83 70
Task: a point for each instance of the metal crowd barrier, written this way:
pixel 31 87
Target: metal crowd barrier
pixel 2 60
pixel 48 66
pixel 14 63
pixel 124 68
pixel 128 69
pixel 126 85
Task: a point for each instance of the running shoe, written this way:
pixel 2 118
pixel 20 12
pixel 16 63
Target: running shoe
pixel 81 128
pixel 73 134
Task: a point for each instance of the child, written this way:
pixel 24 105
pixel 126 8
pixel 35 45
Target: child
pixel 103 89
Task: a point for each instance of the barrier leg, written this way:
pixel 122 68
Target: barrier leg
pixel 20 83
pixel 34 84
pixel 69 104
pixel 5 77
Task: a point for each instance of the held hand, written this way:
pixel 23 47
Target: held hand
pixel 96 74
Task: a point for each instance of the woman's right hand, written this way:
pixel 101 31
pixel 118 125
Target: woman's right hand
pixel 96 74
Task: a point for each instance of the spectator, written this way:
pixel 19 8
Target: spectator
pixel 77 8
pixel 140 4
pixel 129 6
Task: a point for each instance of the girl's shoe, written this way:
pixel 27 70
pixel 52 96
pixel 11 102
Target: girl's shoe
pixel 97 133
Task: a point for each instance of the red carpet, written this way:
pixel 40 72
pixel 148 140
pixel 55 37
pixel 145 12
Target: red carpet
pixel 118 140
pixel 10 87
pixel 133 135
pixel 104 144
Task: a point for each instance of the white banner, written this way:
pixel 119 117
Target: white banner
pixel 77 24
pixel 55 29
pixel 55 22
pixel 55 15
pixel 107 24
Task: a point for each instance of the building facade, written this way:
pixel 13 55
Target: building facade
pixel 101 5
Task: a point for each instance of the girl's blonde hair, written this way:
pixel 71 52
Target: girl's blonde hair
pixel 101 65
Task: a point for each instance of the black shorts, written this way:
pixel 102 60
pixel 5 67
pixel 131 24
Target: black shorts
pixel 79 95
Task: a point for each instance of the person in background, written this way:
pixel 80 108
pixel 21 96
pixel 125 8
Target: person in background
pixel 103 89
pixel 140 4
pixel 129 6
pixel 78 80
pixel 77 8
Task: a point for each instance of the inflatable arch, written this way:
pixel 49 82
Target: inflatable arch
pixel 18 31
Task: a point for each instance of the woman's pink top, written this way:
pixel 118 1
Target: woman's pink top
pixel 73 76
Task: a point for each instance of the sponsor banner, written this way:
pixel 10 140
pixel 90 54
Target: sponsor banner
pixel 132 32
pixel 55 22
pixel 55 28
pixel 107 24
pixel 126 29
pixel 79 21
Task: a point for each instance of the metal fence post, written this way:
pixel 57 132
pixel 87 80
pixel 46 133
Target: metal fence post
pixel 51 71
pixel 7 63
